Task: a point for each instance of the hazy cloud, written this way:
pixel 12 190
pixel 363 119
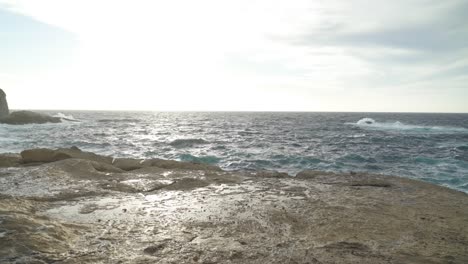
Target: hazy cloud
pixel 316 55
pixel 402 42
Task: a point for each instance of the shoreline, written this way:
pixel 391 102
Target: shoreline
pixel 70 206
pixel 418 147
pixel 47 155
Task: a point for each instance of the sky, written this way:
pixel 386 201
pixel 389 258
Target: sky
pixel 243 55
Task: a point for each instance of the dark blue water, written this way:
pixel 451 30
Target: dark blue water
pixel 431 147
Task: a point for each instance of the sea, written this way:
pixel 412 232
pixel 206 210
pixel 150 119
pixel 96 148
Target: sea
pixel 426 146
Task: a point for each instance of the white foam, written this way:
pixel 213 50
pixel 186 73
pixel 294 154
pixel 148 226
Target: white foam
pixel 369 123
pixel 65 117
pixel 366 121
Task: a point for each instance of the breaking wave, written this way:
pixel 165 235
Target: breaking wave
pixel 119 120
pixel 369 123
pixel 66 117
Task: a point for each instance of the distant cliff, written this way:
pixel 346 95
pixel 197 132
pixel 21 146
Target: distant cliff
pixel 4 111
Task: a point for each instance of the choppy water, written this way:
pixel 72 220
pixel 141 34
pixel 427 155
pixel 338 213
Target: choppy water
pixel 431 147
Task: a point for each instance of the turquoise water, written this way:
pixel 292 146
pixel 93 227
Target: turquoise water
pixel 431 147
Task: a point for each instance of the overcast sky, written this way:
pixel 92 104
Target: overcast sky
pixel 289 55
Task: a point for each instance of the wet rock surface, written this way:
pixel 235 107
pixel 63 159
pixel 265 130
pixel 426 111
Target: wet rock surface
pixel 93 210
pixel 105 163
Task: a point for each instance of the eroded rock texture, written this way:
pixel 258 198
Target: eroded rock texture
pixel 94 209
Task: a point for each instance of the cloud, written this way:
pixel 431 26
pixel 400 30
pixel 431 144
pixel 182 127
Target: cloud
pixel 311 53
pixel 401 43
pixel 440 33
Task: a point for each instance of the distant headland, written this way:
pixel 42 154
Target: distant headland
pixel 4 111
pixel 22 117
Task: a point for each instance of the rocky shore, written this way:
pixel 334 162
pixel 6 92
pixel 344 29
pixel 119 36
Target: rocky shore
pixel 71 206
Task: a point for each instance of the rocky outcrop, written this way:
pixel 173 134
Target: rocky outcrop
pixel 43 155
pixel 22 117
pixel 77 210
pixel 4 111
pixel 10 160
pixel 28 117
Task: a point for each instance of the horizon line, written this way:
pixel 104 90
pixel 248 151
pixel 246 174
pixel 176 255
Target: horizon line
pixel 238 111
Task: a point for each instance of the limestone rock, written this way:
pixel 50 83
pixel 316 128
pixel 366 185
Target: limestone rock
pixel 49 155
pixel 80 168
pixel 22 117
pixel 42 155
pixel 70 209
pixel 172 164
pixel 4 111
pixel 270 174
pixel 76 153
pixel 28 117
pixel 310 174
pixel 128 164
pixel 9 160
pixel 184 214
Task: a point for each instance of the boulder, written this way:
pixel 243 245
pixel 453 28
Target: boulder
pixel 9 160
pixel 128 164
pixel 28 117
pixel 80 168
pixel 44 155
pixel 76 153
pixel 4 111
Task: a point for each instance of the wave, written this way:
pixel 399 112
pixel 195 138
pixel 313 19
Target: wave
pixel 202 159
pixel 66 117
pixel 369 123
pixel 356 158
pixel 366 121
pixel 189 142
pixel 129 120
pixel 462 148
